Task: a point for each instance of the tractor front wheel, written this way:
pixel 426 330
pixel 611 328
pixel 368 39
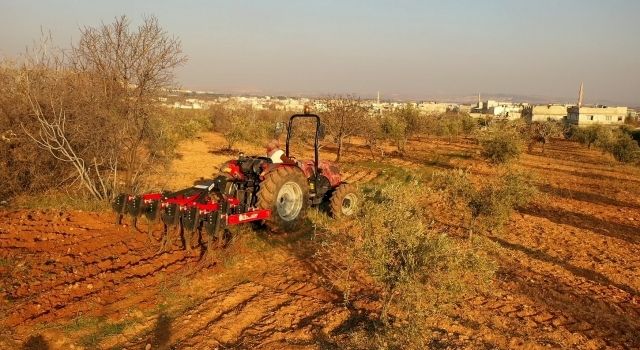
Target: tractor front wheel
pixel 344 201
pixel 285 191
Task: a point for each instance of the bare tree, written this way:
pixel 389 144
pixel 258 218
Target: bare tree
pixel 132 66
pixel 23 166
pixel 344 118
pixel 373 135
pixel 52 137
pixel 96 107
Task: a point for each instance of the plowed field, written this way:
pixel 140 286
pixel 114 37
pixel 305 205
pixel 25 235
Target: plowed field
pixel 569 272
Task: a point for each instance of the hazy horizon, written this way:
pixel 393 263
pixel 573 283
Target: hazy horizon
pixel 404 49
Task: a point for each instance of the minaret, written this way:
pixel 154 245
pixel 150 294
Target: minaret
pixel 378 97
pixel 479 101
pixel 580 96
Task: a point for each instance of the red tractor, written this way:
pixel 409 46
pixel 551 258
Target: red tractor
pixel 248 189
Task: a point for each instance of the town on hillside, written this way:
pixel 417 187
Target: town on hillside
pixel 575 114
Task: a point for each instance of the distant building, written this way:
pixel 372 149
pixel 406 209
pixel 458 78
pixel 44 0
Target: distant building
pixel 508 111
pixel 577 114
pixel 498 109
pixel 189 105
pixel 464 108
pixel 580 116
pixel 432 107
pixel 548 112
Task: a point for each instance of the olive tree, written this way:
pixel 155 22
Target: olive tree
pixel 230 124
pixel 500 143
pixel 400 125
pixel 390 249
pixel 624 148
pixel 540 132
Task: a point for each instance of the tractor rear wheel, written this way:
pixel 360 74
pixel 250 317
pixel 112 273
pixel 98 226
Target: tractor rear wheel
pixel 344 201
pixel 286 192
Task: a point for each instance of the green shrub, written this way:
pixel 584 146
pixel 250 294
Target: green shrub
pixel 625 149
pixel 489 206
pixel 415 271
pixel 401 124
pixel 188 123
pixel 592 135
pixel 500 144
pixel 635 134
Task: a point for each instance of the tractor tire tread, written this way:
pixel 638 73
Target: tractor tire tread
pixel 335 203
pixel 269 190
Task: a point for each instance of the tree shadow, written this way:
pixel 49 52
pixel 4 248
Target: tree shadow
pixel 561 216
pixel 36 342
pixel 224 151
pixel 583 174
pixel 572 151
pixel 438 161
pixel 585 196
pixel 584 312
pixel 162 332
pixel 590 275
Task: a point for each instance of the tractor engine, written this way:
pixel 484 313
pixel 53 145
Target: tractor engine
pixel 240 180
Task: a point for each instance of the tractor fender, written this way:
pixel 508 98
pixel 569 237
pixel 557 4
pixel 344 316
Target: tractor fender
pixel 268 168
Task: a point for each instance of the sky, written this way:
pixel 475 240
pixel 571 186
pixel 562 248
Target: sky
pixel 404 49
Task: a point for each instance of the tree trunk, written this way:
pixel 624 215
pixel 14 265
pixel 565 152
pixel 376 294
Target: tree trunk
pixel 339 150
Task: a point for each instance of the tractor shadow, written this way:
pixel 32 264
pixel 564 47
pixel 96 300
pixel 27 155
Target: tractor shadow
pixel 310 252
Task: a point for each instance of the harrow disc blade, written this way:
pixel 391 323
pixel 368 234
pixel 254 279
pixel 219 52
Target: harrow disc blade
pixel 150 225
pixel 118 207
pixel 190 219
pixel 119 203
pixel 134 206
pixel 118 218
pixel 169 215
pixel 151 210
pixel 210 223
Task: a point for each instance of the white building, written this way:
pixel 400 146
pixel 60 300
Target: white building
pixel 556 112
pixel 498 109
pixel 432 107
pixel 579 115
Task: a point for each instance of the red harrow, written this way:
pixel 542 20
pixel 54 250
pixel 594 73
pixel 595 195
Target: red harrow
pixel 248 189
pixel 189 210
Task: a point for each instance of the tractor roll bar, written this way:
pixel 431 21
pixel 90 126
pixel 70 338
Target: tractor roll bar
pixel 315 141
